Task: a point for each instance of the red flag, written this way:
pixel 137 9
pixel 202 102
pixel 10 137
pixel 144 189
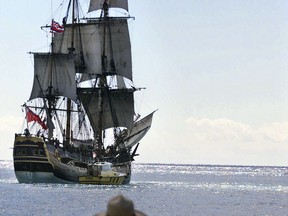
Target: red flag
pixel 31 116
pixel 56 27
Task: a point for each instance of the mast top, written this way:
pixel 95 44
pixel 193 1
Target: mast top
pixel 106 9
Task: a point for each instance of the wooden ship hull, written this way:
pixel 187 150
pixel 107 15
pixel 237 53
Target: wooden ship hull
pixel 35 161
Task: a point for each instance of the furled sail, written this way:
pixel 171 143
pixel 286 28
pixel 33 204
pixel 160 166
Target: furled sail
pixel 140 128
pixel 55 74
pixel 117 108
pixel 98 4
pixel 89 42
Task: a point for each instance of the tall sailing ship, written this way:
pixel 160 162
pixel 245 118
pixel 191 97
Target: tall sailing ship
pixel 80 124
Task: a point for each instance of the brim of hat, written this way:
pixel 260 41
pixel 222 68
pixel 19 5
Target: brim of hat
pixel 101 214
pixel 137 213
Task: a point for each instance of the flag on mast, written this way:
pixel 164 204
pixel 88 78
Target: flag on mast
pixel 31 116
pixel 56 27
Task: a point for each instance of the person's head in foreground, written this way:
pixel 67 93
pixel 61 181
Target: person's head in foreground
pixel 120 206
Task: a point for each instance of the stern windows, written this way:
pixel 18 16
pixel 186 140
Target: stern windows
pixel 30 152
pixel 21 152
pixel 38 152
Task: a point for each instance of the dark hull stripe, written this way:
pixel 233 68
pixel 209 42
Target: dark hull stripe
pixel 33 167
pixel 31 159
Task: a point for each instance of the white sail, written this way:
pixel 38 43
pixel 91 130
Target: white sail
pixel 117 108
pixel 89 43
pixel 98 4
pixel 55 72
pixel 139 130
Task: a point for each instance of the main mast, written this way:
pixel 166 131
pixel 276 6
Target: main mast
pixel 71 50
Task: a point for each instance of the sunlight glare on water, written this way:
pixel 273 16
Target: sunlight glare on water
pixel 157 189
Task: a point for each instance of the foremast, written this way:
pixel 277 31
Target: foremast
pixel 54 78
pixel 71 51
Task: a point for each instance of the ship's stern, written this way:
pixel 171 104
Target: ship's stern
pixel 31 160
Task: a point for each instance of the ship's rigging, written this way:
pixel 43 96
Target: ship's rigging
pixel 80 115
pixel 85 76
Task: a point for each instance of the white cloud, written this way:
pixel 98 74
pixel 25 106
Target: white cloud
pixel 276 132
pixel 228 130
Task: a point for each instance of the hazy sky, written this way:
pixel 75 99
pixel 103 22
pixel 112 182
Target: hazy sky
pixel 216 70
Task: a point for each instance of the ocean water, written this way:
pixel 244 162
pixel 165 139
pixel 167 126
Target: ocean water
pixel 157 189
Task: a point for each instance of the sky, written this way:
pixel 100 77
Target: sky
pixel 216 70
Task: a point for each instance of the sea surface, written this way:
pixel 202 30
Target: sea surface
pixel 157 189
